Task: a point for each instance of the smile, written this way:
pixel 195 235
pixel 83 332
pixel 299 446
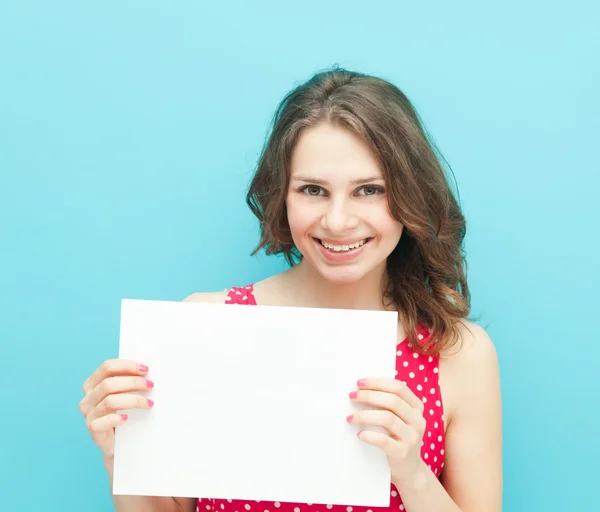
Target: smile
pixel 341 253
pixel 343 248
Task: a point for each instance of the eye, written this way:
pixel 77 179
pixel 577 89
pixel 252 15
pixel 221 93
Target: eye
pixel 311 190
pixel 369 190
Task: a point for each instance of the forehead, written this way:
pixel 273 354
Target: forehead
pixel 328 151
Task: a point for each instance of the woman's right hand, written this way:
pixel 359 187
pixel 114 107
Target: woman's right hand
pixel 114 386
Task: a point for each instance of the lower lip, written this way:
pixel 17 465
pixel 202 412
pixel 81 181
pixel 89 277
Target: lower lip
pixel 342 255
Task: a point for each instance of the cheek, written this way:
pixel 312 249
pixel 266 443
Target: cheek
pixel 395 229
pixel 387 226
pixel 299 216
pixel 391 225
pixel 398 229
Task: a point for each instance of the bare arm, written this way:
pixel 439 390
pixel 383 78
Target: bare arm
pixel 472 477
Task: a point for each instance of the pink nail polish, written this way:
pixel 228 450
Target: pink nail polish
pixel 124 417
pixel 143 368
pixel 149 383
pixel 349 418
pixel 150 403
pixel 358 434
pixel 353 394
pixel 362 383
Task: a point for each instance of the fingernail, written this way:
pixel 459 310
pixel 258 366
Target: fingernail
pixel 143 368
pixel 149 383
pixel 362 383
pixel 358 434
pixel 349 418
pixel 124 417
pixel 353 394
pixel 150 403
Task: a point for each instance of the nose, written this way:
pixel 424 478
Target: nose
pixel 339 217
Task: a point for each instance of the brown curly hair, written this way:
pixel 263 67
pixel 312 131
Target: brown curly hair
pixel 427 269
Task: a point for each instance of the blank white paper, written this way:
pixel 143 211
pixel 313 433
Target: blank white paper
pixel 251 403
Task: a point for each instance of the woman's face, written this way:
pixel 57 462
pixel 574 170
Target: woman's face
pixel 337 207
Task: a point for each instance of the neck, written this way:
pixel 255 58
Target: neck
pixel 314 291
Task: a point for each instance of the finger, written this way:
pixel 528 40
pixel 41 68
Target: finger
pixel 377 439
pixel 106 423
pixel 113 367
pixel 392 386
pixel 120 402
pixel 385 419
pixel 390 402
pixel 115 385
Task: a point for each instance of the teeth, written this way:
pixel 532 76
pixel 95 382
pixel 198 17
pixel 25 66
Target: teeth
pixel 343 248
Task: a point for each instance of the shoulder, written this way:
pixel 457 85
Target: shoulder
pixel 208 297
pixel 470 386
pixel 469 371
pixel 473 349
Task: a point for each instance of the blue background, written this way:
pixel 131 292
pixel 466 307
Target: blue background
pixel 129 131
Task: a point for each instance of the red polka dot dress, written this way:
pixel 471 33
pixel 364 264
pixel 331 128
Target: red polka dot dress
pixel 421 374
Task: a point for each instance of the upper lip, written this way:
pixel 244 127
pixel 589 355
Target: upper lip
pixel 342 242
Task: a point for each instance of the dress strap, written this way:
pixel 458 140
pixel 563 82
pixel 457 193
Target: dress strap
pixel 243 295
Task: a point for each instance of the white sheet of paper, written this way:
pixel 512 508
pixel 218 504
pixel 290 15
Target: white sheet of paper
pixel 251 403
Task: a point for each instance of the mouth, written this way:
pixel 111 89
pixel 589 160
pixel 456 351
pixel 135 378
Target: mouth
pixel 343 248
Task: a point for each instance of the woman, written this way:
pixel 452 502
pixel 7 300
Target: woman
pixel 350 190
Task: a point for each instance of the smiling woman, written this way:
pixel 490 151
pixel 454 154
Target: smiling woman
pixel 335 137
pixel 337 209
pixel 351 191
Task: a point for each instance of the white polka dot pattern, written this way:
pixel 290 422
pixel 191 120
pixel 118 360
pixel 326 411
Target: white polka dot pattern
pixel 420 373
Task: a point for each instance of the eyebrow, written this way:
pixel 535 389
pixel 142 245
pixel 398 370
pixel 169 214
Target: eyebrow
pixel 316 181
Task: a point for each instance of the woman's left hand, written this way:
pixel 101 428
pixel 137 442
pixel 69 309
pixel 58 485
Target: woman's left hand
pixel 399 411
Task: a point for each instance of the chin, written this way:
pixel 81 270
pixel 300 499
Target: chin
pixel 342 275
